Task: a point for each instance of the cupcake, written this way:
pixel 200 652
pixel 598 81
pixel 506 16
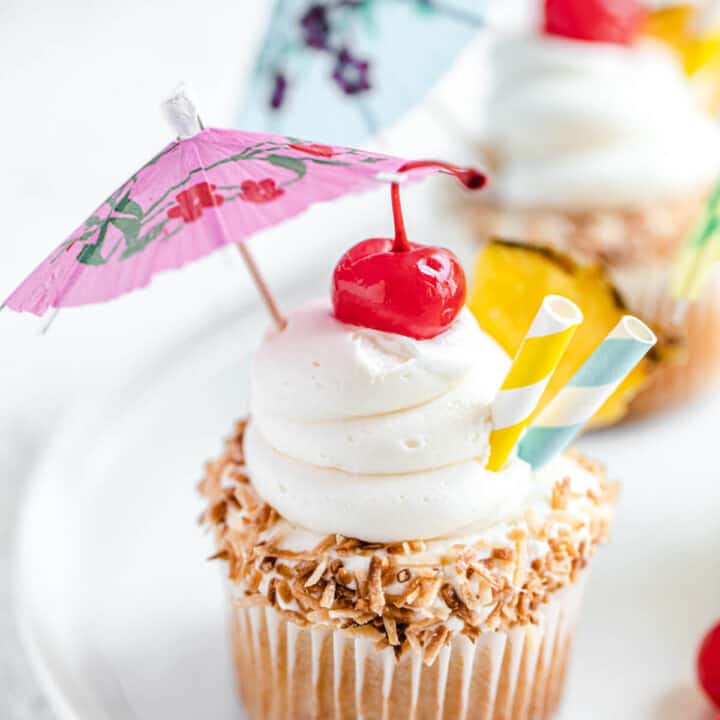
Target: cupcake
pixel 375 567
pixel 601 151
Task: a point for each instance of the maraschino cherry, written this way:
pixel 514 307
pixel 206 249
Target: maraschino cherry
pixel 708 665
pixel 401 287
pixel 610 21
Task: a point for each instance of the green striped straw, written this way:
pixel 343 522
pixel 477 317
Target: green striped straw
pixel 563 418
pixel 700 252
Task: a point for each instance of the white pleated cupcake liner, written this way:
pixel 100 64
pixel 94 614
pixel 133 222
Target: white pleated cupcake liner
pixel 286 671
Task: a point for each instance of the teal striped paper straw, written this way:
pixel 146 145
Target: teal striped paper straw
pixel 563 418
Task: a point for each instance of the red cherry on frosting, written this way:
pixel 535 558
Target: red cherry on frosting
pixel 417 292
pixel 398 286
pixel 611 21
pixel 708 665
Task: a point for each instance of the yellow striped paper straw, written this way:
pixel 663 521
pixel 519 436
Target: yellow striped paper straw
pixel 535 362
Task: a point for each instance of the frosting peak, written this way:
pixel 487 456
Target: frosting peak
pixel 320 368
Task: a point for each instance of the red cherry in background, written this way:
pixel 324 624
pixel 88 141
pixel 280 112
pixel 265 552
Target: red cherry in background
pixel 610 21
pixel 398 286
pixel 708 665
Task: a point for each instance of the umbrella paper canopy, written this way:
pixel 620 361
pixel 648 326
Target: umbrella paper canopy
pixel 196 195
pixel 364 62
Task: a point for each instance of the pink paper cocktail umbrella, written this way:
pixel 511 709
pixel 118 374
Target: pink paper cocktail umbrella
pixel 207 189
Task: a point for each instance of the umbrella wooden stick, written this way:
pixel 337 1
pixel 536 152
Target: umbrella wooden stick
pixel 262 287
pixel 182 114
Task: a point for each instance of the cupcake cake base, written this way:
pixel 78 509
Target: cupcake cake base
pixel 290 672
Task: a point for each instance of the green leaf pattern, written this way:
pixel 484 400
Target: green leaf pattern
pixel 132 220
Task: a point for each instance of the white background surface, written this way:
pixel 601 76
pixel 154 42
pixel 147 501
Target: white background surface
pixel 79 90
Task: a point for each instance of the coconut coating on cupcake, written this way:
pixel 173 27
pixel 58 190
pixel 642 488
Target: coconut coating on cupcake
pixel 413 594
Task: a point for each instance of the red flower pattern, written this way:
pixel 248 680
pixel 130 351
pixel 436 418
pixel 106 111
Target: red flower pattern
pixel 315 149
pixel 190 202
pixel 260 192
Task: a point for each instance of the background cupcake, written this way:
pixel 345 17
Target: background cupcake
pixel 601 150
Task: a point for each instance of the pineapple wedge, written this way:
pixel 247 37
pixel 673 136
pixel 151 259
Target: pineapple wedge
pixel 511 281
pixel 697 47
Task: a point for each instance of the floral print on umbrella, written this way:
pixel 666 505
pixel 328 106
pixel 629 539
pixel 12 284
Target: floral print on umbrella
pixel 316 26
pixel 351 73
pixel 190 202
pixel 351 44
pixel 260 192
pixel 317 149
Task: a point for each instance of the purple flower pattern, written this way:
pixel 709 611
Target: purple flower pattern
pixel 351 73
pixel 278 92
pixel 316 27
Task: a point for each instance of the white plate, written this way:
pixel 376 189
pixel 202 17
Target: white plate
pixel 123 618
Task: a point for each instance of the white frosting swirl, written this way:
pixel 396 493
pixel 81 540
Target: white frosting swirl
pixel 575 124
pixel 392 507
pixel 321 369
pixel 380 436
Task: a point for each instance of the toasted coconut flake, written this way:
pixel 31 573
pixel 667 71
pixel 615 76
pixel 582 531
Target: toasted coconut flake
pixel 429 588
pixel 327 599
pixel 345 577
pixel 272 591
pixel 484 593
pixel 494 581
pixel 505 554
pixel 375 588
pixel 560 494
pixel 324 545
pixel 409 594
pixel 437 640
pixel 391 631
pixel 221 554
pixel 284 591
pixel 413 640
pixel 318 572
pixel 395 549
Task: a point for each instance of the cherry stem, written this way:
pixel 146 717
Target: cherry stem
pixel 401 244
pixel 471 178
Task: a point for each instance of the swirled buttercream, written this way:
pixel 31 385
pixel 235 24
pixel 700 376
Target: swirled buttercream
pixel 576 125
